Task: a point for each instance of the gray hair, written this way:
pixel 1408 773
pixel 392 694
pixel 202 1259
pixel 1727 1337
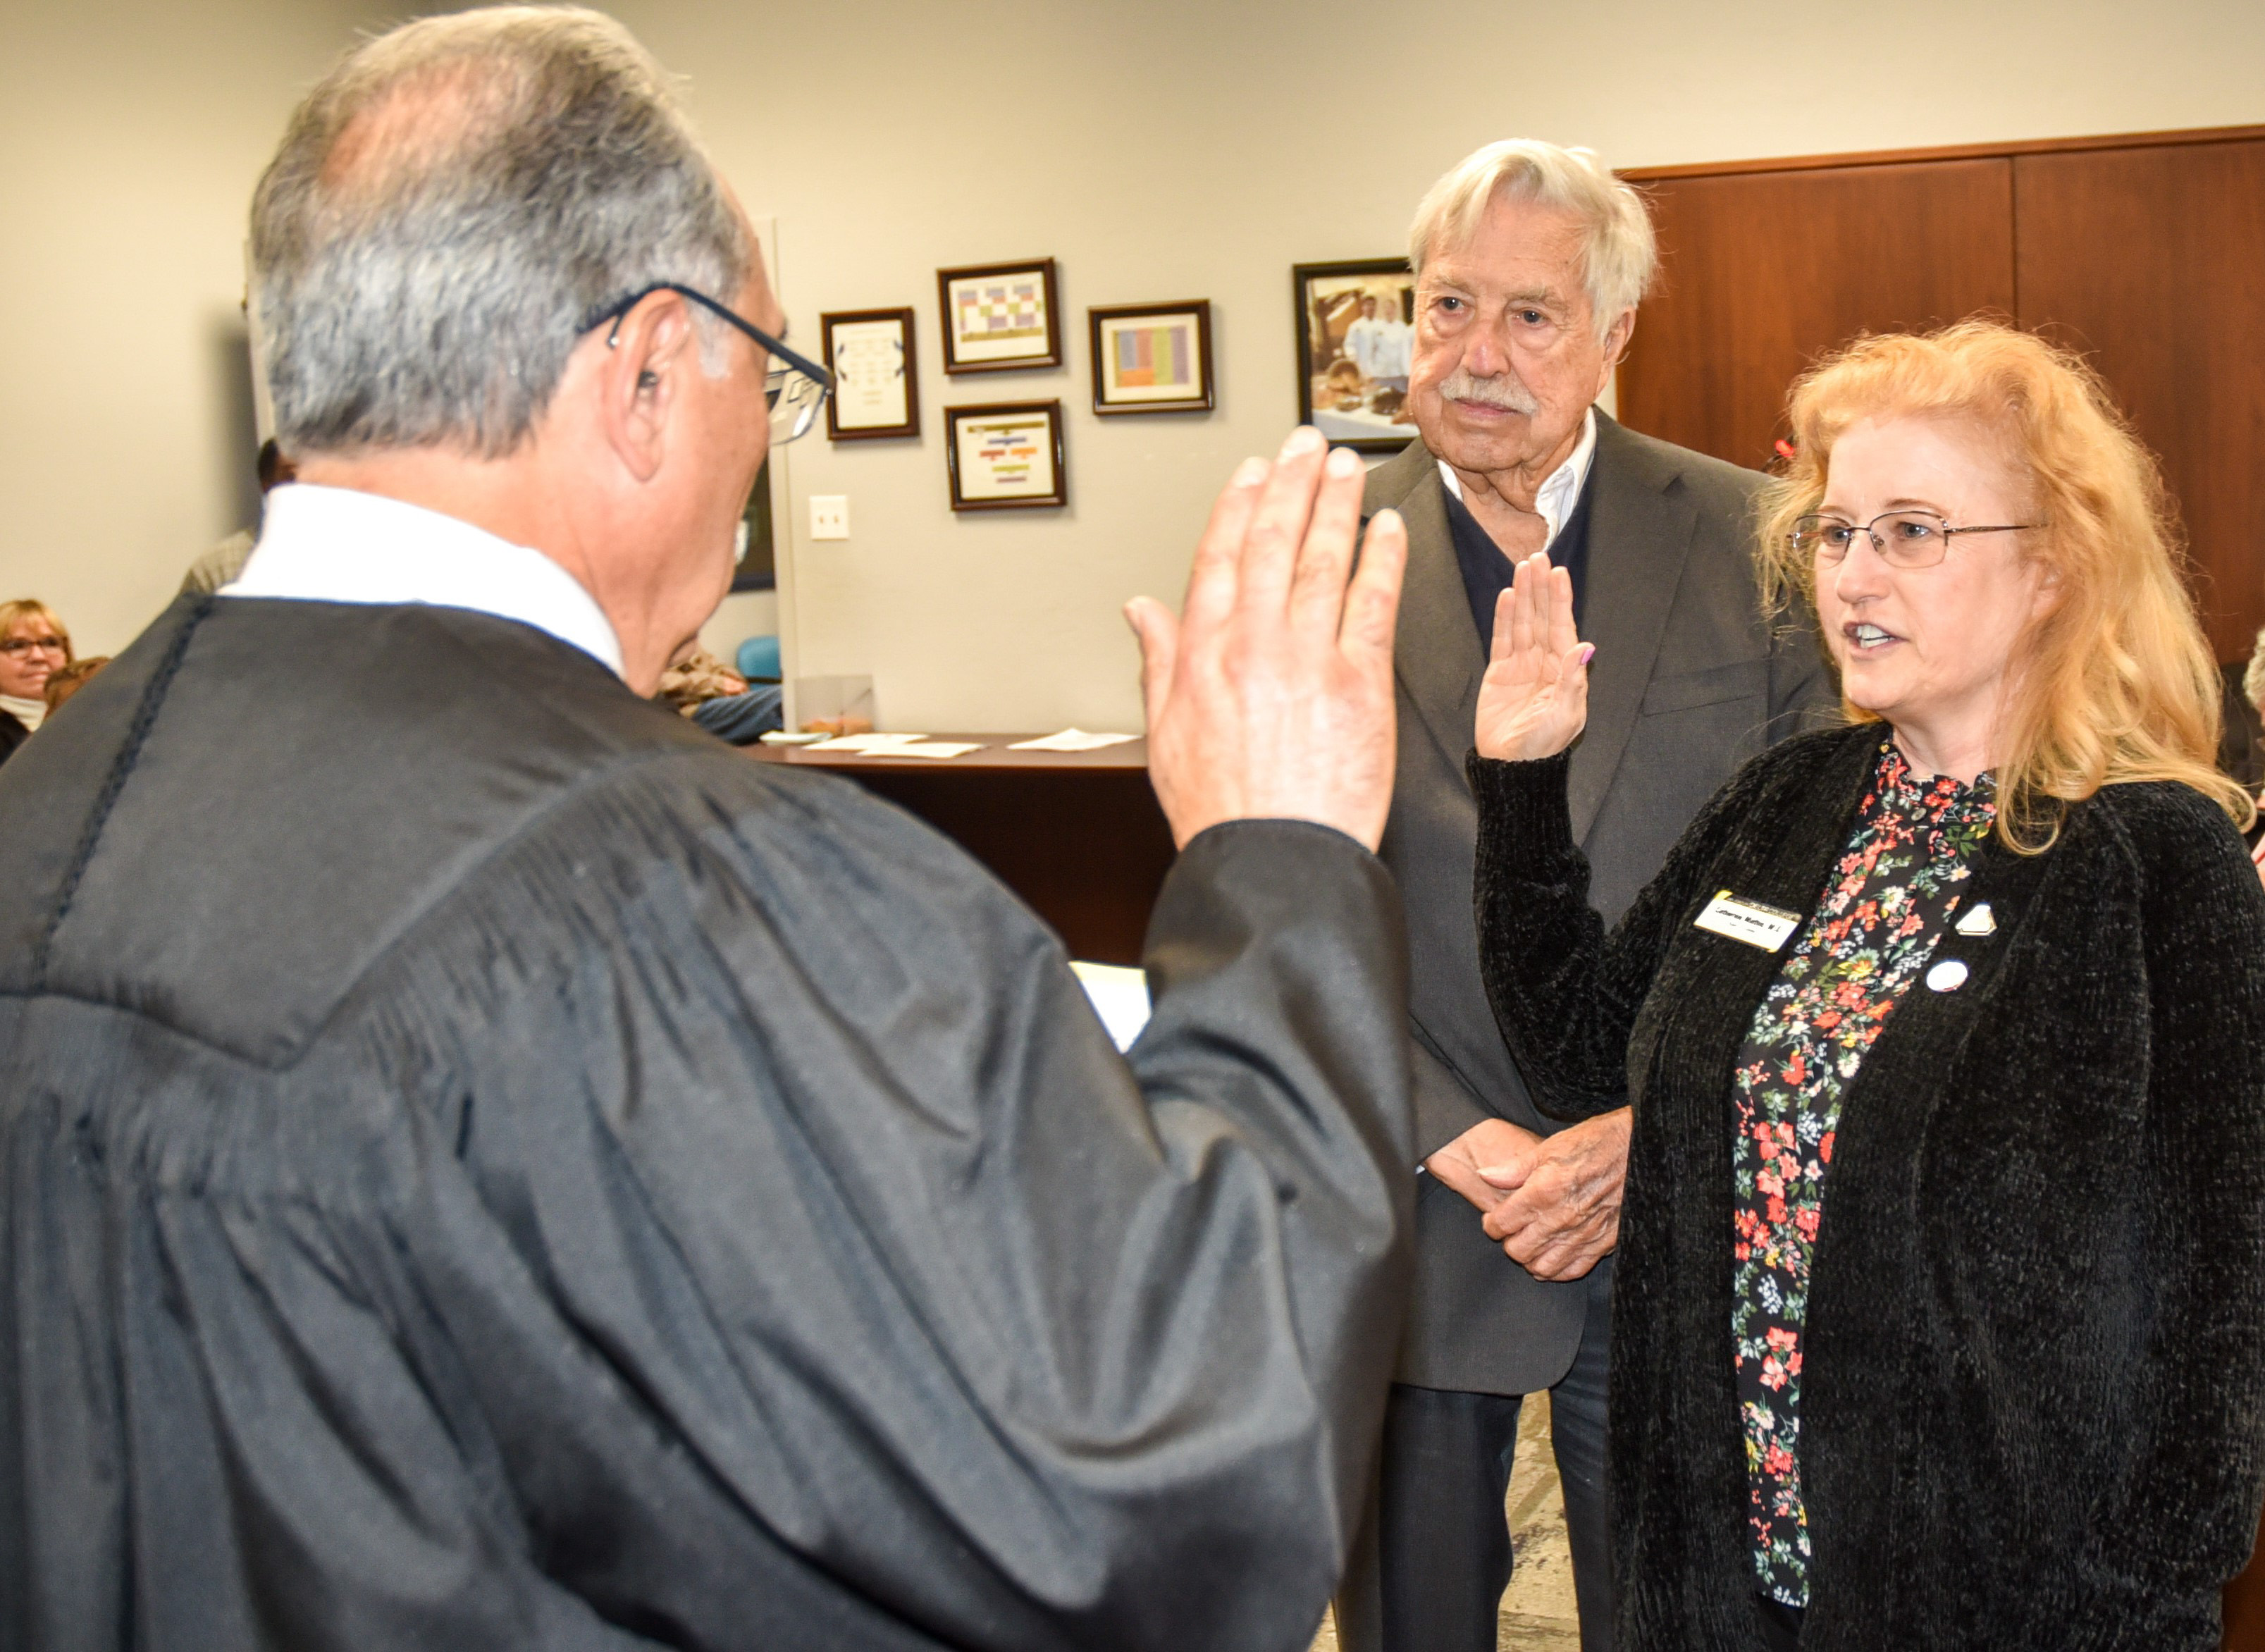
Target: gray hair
pixel 451 205
pixel 1619 253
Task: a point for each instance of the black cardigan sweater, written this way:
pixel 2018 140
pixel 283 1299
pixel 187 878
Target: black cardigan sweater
pixel 2033 1408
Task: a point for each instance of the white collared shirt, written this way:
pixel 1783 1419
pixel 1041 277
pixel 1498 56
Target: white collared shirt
pixel 1561 490
pixel 321 544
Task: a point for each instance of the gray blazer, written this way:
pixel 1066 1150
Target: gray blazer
pixel 1688 682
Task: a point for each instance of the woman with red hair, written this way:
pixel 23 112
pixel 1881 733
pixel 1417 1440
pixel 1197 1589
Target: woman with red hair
pixel 1939 1319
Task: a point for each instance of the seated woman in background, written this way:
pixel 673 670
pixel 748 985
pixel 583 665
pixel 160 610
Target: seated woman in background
pixel 33 646
pixel 1940 1312
pixel 704 688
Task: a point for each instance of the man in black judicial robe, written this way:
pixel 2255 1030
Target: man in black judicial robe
pixel 486 1165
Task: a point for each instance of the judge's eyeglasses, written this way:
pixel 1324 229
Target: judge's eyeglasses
pixel 1904 539
pixel 795 389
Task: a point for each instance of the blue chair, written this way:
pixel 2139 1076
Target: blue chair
pixel 759 659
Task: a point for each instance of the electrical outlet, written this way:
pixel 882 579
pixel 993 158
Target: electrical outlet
pixel 829 516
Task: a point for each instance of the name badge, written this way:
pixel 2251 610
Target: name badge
pixel 1767 927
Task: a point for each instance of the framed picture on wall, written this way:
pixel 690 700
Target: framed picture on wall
pixel 999 317
pixel 1152 357
pixel 1005 456
pixel 1356 335
pixel 876 376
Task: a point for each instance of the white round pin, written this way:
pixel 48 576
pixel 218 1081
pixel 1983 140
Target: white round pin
pixel 1948 976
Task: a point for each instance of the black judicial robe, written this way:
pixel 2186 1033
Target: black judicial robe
pixel 487 1166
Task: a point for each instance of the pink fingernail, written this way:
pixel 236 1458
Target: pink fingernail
pixel 1587 652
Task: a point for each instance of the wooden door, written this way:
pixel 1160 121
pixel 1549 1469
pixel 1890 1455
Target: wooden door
pixel 2152 260
pixel 2245 1606
pixel 1762 272
pixel 2147 252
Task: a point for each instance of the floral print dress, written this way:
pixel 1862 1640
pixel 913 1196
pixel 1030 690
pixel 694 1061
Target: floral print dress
pixel 1891 894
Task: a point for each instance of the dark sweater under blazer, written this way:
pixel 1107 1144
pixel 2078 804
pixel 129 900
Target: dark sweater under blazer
pixel 2033 1408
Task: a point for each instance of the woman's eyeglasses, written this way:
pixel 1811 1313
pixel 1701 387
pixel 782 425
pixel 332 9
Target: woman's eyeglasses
pixel 1904 539
pixel 25 644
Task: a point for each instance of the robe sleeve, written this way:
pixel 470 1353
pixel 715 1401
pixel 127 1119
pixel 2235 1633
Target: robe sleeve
pixel 2188 1513
pixel 831 1180
pixel 1565 991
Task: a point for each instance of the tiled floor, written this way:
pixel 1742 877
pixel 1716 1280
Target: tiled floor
pixel 1537 1609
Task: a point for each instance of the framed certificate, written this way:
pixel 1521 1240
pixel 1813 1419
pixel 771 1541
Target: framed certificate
pixel 875 375
pixel 1152 357
pixel 1005 456
pixel 999 317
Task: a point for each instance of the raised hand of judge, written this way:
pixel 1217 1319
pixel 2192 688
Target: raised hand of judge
pixel 1534 698
pixel 1271 696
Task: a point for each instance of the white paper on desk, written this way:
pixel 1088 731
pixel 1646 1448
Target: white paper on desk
pixel 1070 741
pixel 928 748
pixel 864 742
pixel 1120 998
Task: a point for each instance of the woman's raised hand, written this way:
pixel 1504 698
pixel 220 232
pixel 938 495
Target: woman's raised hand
pixel 1535 697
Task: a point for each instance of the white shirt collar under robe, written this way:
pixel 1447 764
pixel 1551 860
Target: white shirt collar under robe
pixel 320 544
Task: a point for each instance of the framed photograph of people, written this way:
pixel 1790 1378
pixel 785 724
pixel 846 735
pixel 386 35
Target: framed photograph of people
pixel 876 376
pixel 1356 335
pixel 1005 456
pixel 1001 318
pixel 1152 357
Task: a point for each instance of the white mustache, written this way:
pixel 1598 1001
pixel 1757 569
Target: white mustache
pixel 1503 391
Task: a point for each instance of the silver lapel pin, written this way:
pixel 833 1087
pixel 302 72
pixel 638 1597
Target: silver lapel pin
pixel 1980 921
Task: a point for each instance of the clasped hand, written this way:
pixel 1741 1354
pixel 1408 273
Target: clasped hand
pixel 1534 698
pixel 1553 1202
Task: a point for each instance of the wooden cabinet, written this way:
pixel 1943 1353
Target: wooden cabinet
pixel 2152 261
pixel 1761 271
pixel 2143 252
pixel 1079 835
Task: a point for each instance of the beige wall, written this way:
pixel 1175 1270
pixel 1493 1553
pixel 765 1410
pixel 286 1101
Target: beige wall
pixel 1158 150
pixel 130 135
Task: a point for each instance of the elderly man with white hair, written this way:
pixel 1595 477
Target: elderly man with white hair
pixel 488 1166
pixel 1530 260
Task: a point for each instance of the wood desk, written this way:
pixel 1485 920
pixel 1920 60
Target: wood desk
pixel 1077 835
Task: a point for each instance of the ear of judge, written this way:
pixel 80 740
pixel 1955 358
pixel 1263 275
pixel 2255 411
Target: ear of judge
pixel 633 479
